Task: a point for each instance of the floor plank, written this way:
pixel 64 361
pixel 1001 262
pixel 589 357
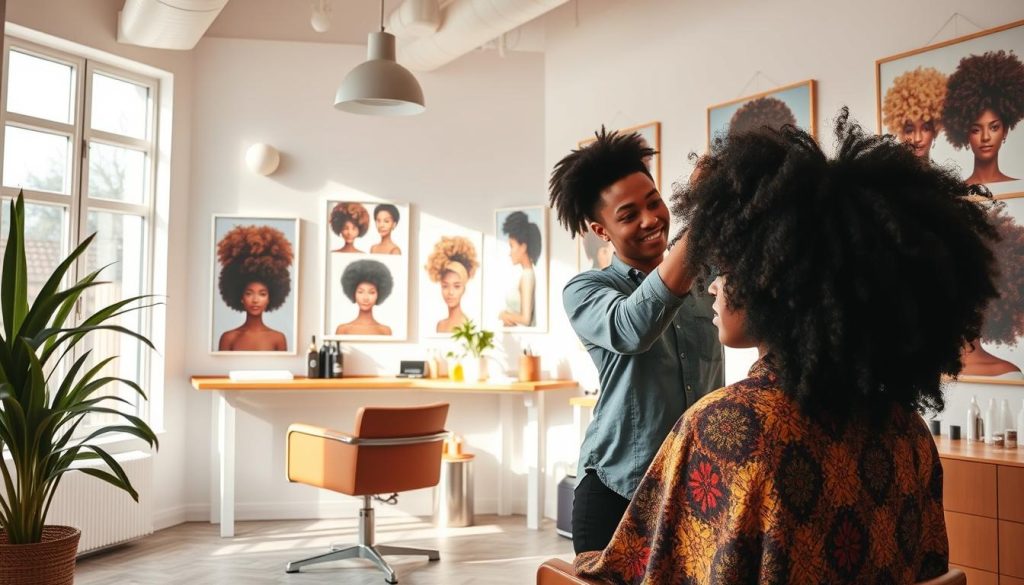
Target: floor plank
pixel 498 550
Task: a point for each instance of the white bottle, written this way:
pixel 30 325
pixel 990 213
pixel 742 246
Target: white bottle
pixel 1005 419
pixel 1020 425
pixel 973 414
pixel 990 421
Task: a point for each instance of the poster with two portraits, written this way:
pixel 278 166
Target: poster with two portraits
pixel 959 104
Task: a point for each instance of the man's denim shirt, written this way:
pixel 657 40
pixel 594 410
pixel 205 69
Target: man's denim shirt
pixel 656 355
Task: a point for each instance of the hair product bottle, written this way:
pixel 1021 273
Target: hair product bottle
pixel 325 359
pixel 972 426
pixel 1020 425
pixel 990 421
pixel 1005 419
pixel 337 361
pixel 313 361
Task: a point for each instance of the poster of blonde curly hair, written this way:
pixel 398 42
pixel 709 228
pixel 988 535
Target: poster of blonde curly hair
pixel 958 104
pixel 450 265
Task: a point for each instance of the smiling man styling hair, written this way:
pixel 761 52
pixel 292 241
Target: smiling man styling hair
pixel 653 342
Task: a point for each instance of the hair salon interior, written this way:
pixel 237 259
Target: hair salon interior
pixel 348 334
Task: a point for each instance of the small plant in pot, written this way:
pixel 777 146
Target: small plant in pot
pixel 49 384
pixel 472 362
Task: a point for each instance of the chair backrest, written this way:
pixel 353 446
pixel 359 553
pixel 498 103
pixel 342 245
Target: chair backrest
pixel 398 468
pixel 375 422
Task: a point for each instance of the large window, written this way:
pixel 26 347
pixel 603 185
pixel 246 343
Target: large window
pixel 79 139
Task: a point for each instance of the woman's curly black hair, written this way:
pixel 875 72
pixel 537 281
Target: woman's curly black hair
pixel 370 271
pixel 863 275
pixel 992 81
pixel 345 212
pixel 254 253
pixel 578 179
pixel 1004 317
pixel 761 112
pixel 389 209
pixel 518 227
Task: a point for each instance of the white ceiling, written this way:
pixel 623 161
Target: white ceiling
pixel 288 20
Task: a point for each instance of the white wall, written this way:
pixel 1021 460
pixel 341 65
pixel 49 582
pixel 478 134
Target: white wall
pixel 626 63
pixel 93 24
pixel 478 147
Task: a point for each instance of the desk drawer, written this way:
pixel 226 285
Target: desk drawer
pixel 979 577
pixel 1003 580
pixel 1011 549
pixel 1011 494
pixel 969 487
pixel 973 541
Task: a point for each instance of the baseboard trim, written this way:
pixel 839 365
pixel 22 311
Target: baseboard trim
pixel 318 510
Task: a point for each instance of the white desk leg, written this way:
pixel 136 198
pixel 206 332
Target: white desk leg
pixel 535 459
pixel 505 454
pixel 226 444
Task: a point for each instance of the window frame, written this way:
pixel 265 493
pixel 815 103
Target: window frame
pixel 78 203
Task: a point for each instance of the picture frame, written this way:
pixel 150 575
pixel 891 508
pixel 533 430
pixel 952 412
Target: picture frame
pixel 592 253
pixel 795 104
pixel 517 271
pixel 947 87
pixel 651 133
pixel 366 270
pixel 450 268
pixel 998 356
pixel 255 258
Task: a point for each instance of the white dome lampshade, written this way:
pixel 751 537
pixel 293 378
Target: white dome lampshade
pixel 380 86
pixel 262 159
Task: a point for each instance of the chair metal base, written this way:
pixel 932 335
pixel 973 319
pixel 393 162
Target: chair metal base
pixel 365 549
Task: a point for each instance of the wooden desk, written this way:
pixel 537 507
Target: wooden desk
pixel 983 500
pixel 532 394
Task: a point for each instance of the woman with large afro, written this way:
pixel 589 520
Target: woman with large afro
pixel 255 277
pixel 349 221
pixel 759 113
pixel 912 108
pixel 367 283
pixel 524 243
pixel 858 278
pixel 1004 317
pixel 984 101
pixel 452 262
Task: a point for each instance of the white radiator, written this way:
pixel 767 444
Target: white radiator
pixel 106 515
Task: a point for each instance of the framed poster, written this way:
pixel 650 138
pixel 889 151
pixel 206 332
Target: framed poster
pixel 998 355
pixel 519 269
pixel 651 134
pixel 254 301
pixel 449 270
pixel 593 253
pixel 790 104
pixel 959 102
pixel 366 283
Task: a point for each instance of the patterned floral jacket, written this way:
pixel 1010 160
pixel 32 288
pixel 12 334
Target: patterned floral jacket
pixel 746 489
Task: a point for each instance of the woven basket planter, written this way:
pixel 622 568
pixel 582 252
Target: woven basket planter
pixel 50 562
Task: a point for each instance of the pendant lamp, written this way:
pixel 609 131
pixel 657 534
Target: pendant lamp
pixel 380 86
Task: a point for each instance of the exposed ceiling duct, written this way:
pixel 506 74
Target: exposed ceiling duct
pixel 166 24
pixel 466 25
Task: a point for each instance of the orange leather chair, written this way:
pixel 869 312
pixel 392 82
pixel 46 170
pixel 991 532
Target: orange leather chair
pixel 391 450
pixel 559 572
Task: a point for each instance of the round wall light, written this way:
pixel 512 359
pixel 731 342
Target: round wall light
pixel 262 159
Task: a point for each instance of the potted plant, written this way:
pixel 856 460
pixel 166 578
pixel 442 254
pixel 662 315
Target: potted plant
pixel 48 385
pixel 474 343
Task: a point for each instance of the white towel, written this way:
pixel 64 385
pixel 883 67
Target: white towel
pixel 250 375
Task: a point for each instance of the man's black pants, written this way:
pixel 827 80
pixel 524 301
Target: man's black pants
pixel 596 511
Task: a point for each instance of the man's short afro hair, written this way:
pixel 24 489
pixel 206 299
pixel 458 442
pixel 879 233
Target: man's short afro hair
pixel 992 81
pixel 578 179
pixel 254 253
pixel 371 271
pixel 350 212
pixel 915 95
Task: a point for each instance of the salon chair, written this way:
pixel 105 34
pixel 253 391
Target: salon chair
pixel 391 450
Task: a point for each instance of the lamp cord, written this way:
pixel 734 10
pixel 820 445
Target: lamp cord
pixel 381 15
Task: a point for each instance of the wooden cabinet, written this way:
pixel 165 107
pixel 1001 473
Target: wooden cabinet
pixel 983 496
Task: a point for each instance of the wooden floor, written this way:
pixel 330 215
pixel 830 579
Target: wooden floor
pixel 498 550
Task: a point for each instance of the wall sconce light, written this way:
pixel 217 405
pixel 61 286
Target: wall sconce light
pixel 321 18
pixel 262 159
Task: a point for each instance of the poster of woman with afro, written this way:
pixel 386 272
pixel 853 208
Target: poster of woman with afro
pixel 517 288
pixel 367 270
pixel 791 104
pixel 650 132
pixel 255 276
pixel 998 354
pixel 450 280
pixel 958 103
